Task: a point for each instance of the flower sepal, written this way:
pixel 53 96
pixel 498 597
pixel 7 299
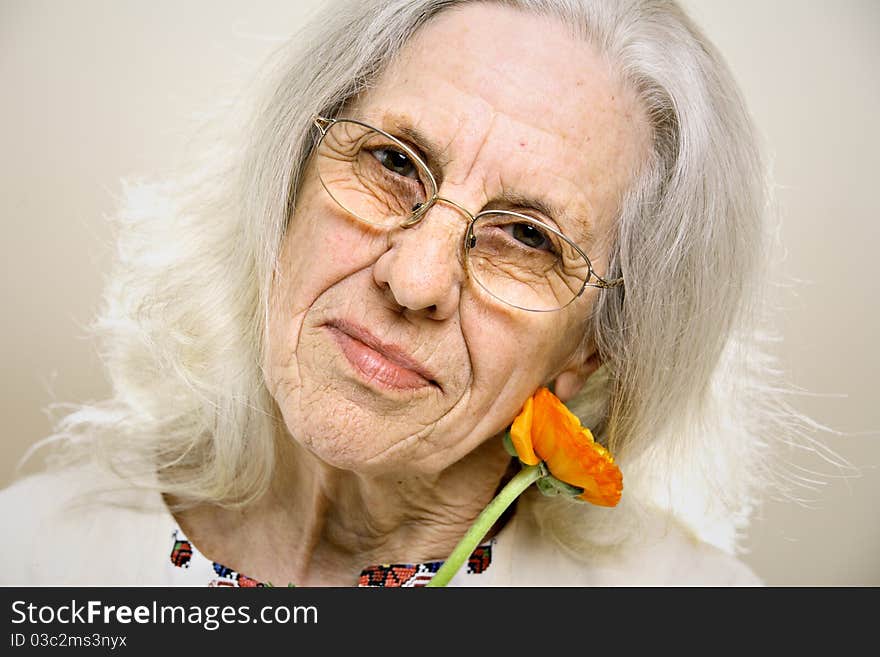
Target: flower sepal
pixel 547 484
pixel 552 487
pixel 508 445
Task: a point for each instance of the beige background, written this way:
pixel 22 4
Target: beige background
pixel 97 90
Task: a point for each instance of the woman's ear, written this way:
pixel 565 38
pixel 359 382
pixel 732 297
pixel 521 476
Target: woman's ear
pixel 572 379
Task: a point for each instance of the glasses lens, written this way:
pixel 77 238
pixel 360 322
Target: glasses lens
pixel 525 263
pixel 375 177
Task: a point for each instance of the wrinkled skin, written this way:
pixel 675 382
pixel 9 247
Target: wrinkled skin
pixel 392 461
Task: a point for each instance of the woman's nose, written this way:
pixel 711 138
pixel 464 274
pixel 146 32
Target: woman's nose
pixel 422 268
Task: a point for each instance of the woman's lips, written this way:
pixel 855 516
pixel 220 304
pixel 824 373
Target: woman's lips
pixel 383 364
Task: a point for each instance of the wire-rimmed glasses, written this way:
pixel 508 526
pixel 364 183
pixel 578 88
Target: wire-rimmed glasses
pixel 519 260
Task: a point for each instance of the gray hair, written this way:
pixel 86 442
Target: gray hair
pixel 683 398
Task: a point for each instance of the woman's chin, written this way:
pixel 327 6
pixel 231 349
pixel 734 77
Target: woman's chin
pixel 361 447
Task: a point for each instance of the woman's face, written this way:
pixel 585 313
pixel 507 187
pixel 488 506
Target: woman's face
pixel 383 356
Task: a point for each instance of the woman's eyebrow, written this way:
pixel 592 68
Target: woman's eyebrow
pixel 426 146
pixel 575 227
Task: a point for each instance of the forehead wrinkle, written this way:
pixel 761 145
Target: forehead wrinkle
pixel 525 199
pixel 478 148
pixel 434 154
pixel 578 225
pixel 440 157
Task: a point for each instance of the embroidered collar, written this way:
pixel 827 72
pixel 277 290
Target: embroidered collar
pixel 183 555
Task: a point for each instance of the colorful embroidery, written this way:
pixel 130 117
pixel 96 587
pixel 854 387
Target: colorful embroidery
pixel 480 559
pixel 394 575
pixel 228 577
pixel 409 575
pixel 385 575
pixel 181 553
pixel 223 571
pixel 247 582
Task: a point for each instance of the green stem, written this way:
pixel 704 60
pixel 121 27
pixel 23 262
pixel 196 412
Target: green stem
pixel 523 479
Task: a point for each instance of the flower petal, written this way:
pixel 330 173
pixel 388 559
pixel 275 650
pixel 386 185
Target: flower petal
pixel 521 434
pixel 571 453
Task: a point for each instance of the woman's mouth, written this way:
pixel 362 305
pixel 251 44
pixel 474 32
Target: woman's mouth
pixel 385 365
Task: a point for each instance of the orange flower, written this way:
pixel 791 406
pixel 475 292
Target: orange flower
pixel 545 430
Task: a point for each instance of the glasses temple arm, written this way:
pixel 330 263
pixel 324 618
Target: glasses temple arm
pixel 605 285
pixel 322 123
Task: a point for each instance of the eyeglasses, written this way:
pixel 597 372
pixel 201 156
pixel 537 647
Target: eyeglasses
pixel 517 259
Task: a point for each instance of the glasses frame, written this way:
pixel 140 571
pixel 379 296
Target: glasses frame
pixel 323 124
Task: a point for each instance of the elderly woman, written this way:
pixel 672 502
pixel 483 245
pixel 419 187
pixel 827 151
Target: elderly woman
pixel 441 208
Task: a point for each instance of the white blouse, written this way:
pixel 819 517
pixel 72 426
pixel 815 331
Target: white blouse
pixel 83 527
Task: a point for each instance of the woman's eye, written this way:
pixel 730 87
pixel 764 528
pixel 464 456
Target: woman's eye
pixel 396 162
pixel 532 236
